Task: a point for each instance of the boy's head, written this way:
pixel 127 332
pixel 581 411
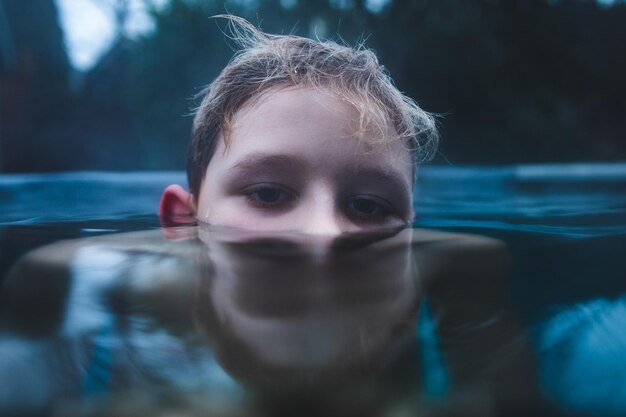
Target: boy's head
pixel 291 122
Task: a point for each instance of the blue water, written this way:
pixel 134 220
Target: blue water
pixel 564 227
pixel 568 200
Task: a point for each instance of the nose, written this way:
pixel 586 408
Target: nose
pixel 326 226
pixel 322 218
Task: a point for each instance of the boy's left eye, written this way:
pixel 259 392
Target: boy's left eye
pixel 369 207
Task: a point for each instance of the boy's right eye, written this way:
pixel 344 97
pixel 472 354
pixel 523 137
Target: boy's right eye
pixel 268 195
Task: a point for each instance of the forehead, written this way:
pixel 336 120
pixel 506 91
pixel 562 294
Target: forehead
pixel 314 122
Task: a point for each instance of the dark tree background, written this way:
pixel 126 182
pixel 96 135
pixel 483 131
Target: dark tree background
pixel 514 80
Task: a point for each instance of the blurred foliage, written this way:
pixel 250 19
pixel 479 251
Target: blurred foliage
pixel 513 80
pixel 34 75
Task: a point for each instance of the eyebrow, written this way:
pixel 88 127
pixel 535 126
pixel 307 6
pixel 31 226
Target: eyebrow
pixel 260 162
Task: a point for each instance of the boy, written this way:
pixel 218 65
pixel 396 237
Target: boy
pixel 301 135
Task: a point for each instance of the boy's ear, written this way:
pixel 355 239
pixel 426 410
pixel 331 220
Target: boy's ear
pixel 176 207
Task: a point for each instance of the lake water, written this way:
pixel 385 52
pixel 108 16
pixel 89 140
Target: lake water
pixel 131 326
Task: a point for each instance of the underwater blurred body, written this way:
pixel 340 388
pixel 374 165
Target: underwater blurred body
pixel 564 226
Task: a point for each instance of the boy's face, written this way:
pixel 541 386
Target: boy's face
pixel 293 164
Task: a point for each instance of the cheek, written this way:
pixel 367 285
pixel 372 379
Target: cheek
pixel 218 210
pixel 211 204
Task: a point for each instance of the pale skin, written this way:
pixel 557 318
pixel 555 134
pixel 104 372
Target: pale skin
pixel 293 164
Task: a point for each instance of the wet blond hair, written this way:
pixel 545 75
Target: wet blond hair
pixel 267 62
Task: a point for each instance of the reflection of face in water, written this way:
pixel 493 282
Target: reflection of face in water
pixel 306 309
pixel 328 318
